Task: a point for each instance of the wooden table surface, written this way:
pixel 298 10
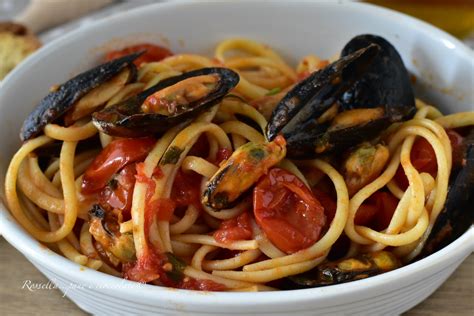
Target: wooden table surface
pixel 455 297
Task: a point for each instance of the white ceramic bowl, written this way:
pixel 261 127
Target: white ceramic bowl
pixel 444 68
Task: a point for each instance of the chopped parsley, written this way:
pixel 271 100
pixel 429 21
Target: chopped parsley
pixel 274 91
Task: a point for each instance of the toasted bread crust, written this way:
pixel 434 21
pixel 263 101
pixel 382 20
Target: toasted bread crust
pixel 16 43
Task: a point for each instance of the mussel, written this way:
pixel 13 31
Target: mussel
pixel 172 101
pixel 241 171
pixel 327 111
pixel 63 98
pixel 350 269
pixel 458 213
pixel 385 84
pixel 363 165
pixel 105 227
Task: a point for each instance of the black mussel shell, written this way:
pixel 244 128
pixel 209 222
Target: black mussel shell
pixel 126 119
pixel 296 115
pixel 344 270
pixel 386 82
pixel 58 102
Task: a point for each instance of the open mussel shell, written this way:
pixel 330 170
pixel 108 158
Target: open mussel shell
pixel 59 101
pixel 296 116
pixel 104 226
pixel 344 270
pixel 386 81
pixel 458 213
pixel 127 119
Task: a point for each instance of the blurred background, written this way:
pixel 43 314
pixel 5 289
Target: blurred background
pixel 27 24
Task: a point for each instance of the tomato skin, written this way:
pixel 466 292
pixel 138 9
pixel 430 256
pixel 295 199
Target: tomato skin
pixel 152 53
pixel 286 210
pixel 112 158
pixel 238 228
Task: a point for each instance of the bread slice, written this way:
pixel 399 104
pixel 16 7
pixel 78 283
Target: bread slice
pixel 16 43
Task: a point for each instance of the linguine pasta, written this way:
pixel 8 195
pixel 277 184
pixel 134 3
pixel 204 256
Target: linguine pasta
pixel 45 197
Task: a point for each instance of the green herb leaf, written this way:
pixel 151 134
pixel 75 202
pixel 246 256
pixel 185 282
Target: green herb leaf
pixel 274 91
pixel 178 267
pixel 171 156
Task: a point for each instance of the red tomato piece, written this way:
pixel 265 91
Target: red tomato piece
pixel 223 154
pixel 386 204
pixel 114 157
pixel 365 214
pixel 286 210
pixel 423 157
pixel 118 194
pixel 151 53
pixel 186 189
pixel 147 268
pixel 200 147
pixel 376 212
pixel 238 228
pixel 327 202
pixel 201 285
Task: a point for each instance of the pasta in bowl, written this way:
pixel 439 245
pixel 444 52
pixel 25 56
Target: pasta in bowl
pixel 238 172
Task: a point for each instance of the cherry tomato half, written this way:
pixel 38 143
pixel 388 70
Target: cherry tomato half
pixel 152 53
pixel 112 158
pixel 287 211
pixel 423 157
pixel 118 193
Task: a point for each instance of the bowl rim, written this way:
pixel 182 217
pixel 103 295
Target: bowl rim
pixel 31 248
